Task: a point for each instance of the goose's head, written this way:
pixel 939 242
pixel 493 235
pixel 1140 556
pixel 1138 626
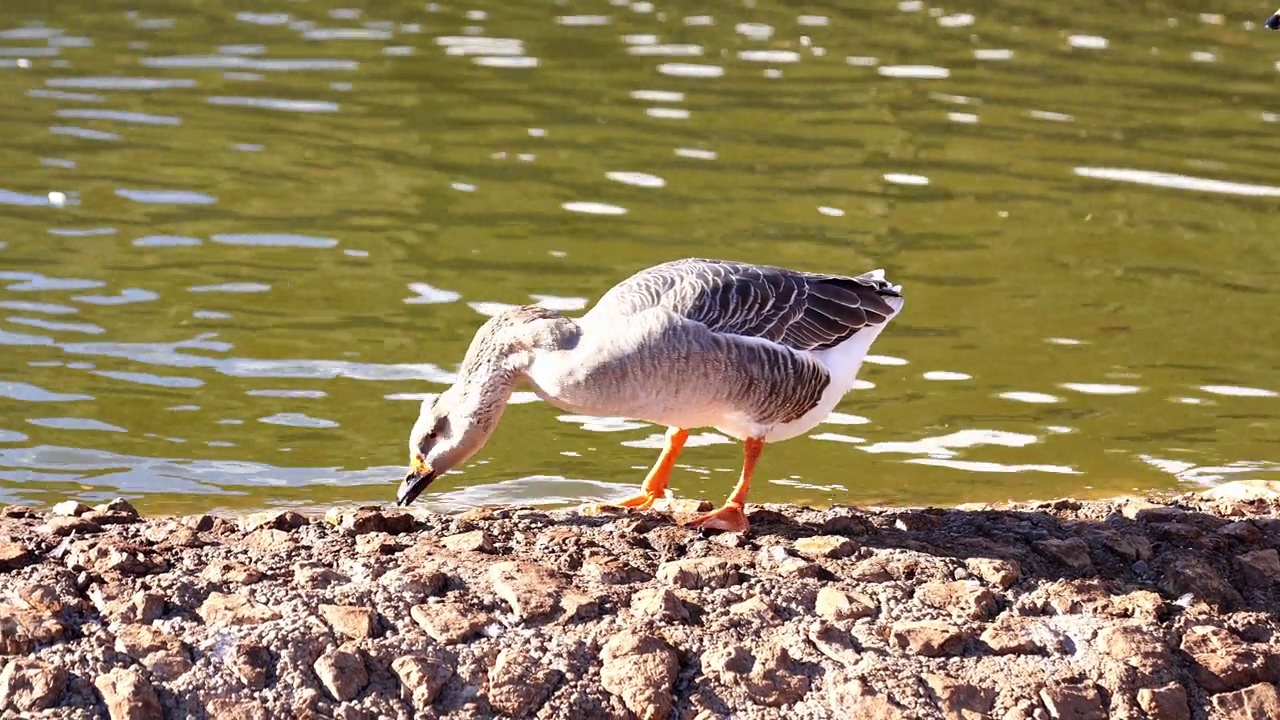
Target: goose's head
pixel 1273 22
pixel 446 433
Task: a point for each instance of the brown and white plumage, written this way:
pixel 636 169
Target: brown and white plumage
pixel 761 353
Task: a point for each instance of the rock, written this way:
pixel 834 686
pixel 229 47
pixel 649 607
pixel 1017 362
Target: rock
pixel 698 573
pixel 1256 702
pixel 268 541
pixel 956 698
pixel 226 709
pixel 224 571
pixel 756 610
pixel 421 678
pixel 1220 660
pixel 317 576
pixel 474 541
pixel 110 557
pixel 1014 635
pixel 172 534
pixel 836 604
pixel 641 670
pixel 1001 573
pixel 1140 604
pixel 965 599
pixel 844 525
pixel 834 643
pixel 825 546
pixel 449 622
pixel 531 590
pixel 930 638
pixel 199 523
pixel 39 596
pixel 140 607
pixel 342 673
pixel 1189 574
pixel 14 555
pixel 1072 552
pixel 913 521
pixel 1167 702
pixel 1140 647
pixel 69 508
pixel 28 684
pixel 59 526
pixel 878 707
pixel 794 567
pixel 250 662
pixel 612 571
pixel 659 604
pixel 1129 546
pixel 21 630
pixel 767 674
pixel 164 655
pixel 118 506
pixel 128 695
pixel 223 609
pixel 377 543
pixel 1244 491
pixel 285 520
pixel 1074 702
pixel 1243 531
pixel 354 622
pixel 1261 568
pixel 519 683
pixel 370 519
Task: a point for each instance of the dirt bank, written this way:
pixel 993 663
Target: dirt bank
pixel 1126 609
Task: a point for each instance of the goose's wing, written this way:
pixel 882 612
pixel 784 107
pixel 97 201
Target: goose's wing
pixel 802 311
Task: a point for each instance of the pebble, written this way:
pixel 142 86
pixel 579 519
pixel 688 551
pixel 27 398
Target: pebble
pixel 531 590
pixel 61 526
pixel 1074 702
pixel 519 683
pixel 356 623
pixel 449 622
pixel 474 541
pixel 1000 573
pixel 1261 568
pixel 835 604
pixel 69 508
pixel 28 685
pixel 228 610
pixel 641 670
pixel 767 673
pixel 14 555
pixel 698 573
pixel 930 638
pixel 342 672
pixel 1166 702
pixel 659 604
pixel 421 678
pixel 963 598
pixel 285 520
pixel 128 695
pixel 1256 702
pixel 1220 660
pixel 825 546
pixel 1072 552
pixel 959 699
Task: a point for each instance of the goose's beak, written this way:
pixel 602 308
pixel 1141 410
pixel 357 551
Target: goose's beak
pixel 419 477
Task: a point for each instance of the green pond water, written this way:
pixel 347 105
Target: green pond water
pixel 238 241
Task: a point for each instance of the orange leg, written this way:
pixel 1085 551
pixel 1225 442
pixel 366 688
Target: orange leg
pixel 655 483
pixel 731 517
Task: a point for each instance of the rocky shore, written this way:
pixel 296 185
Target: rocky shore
pixel 1162 608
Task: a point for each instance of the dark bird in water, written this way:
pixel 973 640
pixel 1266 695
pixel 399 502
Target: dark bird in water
pixel 1273 22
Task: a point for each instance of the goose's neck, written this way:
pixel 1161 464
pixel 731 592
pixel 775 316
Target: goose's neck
pixel 503 350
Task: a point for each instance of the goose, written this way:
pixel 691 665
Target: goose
pixel 762 354
pixel 1273 22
